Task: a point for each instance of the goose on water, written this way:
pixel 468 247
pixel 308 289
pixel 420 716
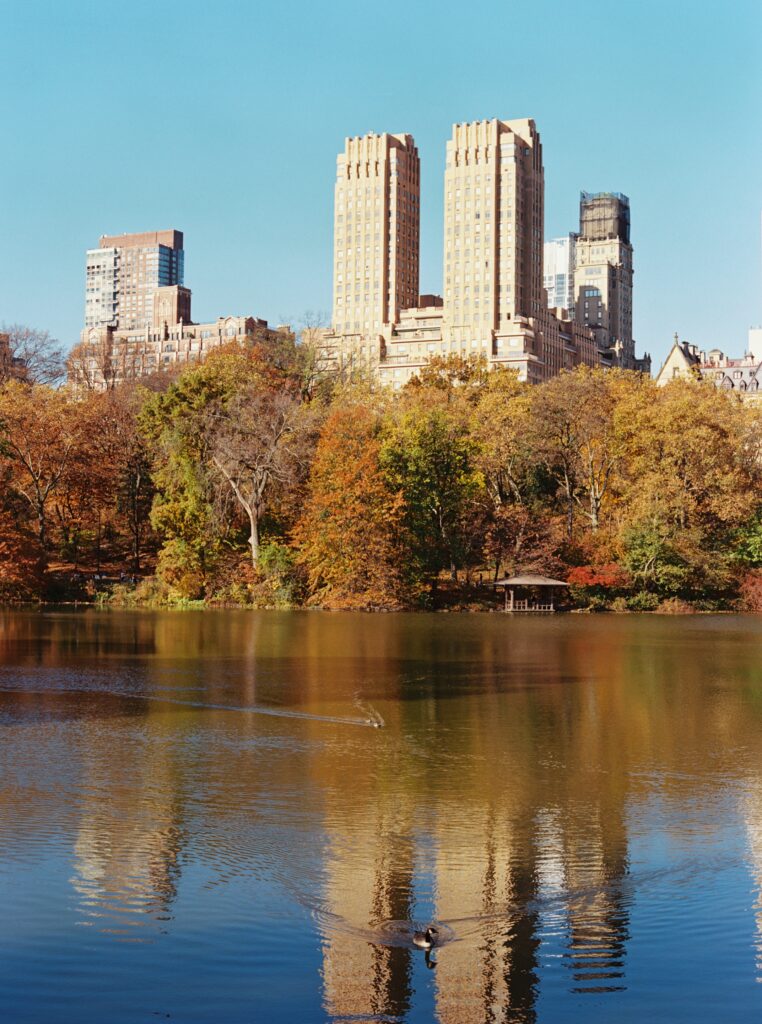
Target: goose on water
pixel 427 939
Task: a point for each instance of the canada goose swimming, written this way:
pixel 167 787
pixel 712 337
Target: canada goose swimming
pixel 426 940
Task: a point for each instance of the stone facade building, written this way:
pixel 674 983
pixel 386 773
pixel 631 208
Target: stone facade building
pixel 494 303
pixel 603 274
pixel 590 274
pixel 376 232
pixel 138 314
pixel 742 376
pixel 123 273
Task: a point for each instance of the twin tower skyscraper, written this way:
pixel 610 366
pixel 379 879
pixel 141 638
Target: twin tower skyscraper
pixel 493 302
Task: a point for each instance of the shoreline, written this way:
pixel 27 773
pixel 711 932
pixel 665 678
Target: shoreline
pixel 200 606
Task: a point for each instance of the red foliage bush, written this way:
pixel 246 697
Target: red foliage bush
pixel 751 592
pixel 600 577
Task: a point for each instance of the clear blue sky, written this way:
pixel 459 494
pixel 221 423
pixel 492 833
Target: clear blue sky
pixel 223 119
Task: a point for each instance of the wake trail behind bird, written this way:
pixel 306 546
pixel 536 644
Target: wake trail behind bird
pixel 374 721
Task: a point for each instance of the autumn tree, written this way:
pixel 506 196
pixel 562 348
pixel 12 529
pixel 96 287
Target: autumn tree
pixel 692 481
pixel 258 441
pixel 207 448
pixel 184 512
pixel 469 374
pixel 429 456
pixel 351 537
pixel 21 562
pixel 116 468
pixel 519 532
pixel 39 435
pixel 573 432
pixel 39 354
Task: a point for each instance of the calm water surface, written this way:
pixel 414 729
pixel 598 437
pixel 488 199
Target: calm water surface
pixel 199 821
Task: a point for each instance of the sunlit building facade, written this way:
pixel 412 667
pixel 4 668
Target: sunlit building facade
pixel 376 232
pixel 740 376
pixel 558 273
pixel 493 304
pixel 138 314
pixel 123 273
pixel 603 274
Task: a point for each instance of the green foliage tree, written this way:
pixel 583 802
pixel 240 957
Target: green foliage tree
pixel 184 511
pixel 428 456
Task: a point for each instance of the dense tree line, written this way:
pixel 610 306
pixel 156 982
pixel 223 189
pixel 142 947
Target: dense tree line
pixel 253 479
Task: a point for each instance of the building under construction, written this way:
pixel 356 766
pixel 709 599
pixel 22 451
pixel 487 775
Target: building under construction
pixel 603 274
pixel 603 216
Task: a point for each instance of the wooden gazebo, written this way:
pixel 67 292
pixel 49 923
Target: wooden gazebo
pixel 530 592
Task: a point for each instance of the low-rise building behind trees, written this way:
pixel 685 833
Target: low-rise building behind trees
pixel 741 376
pixel 138 314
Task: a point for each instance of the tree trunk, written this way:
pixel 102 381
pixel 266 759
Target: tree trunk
pixel 594 511
pixel 570 515
pixel 98 544
pixel 254 538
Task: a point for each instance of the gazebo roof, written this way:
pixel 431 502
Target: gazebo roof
pixel 530 579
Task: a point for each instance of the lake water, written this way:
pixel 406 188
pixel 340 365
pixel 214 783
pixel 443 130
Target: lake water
pixel 200 822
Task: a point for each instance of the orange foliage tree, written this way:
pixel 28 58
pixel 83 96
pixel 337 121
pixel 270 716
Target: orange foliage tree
pixel 40 433
pixel 21 567
pixel 350 537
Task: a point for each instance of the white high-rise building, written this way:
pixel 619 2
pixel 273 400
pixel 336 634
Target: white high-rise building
pixel 558 273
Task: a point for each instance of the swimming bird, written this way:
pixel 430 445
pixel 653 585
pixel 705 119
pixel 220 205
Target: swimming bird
pixel 426 940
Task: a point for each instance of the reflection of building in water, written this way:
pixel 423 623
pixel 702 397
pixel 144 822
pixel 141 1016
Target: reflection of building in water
pixel 130 835
pixel 499 876
pixel 124 868
pixel 595 856
pixel 362 886
pixel 752 813
pixel 489 876
pixel 519 857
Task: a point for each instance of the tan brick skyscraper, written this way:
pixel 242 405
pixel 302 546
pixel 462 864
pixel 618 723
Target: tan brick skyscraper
pixel 376 232
pixel 494 187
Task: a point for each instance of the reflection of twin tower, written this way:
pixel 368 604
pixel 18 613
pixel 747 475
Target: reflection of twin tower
pixel 515 886
pixel 494 302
